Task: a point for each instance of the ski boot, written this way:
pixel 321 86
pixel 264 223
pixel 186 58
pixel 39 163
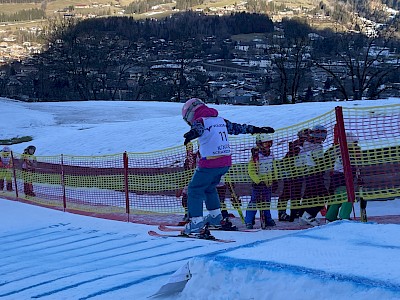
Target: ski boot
pixel 205 234
pixel 227 225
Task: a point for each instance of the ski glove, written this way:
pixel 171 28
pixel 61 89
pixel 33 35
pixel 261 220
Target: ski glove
pixel 262 130
pixel 188 137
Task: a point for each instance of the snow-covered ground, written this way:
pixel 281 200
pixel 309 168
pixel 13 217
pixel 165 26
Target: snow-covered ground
pixel 109 127
pixel 49 254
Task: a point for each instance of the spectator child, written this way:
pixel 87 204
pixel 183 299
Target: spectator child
pixel 338 181
pixel 311 157
pixel 215 160
pixel 292 186
pixel 6 169
pixel 189 164
pixel 261 169
pixel 28 168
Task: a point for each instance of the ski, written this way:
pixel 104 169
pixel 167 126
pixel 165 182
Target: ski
pixel 190 236
pixel 178 228
pixel 182 223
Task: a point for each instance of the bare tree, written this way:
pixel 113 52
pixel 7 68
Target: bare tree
pixel 96 62
pixel 360 64
pixel 185 54
pixel 70 53
pixel 118 58
pixel 143 81
pixel 290 61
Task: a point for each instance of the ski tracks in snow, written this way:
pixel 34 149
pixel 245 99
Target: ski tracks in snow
pixel 62 261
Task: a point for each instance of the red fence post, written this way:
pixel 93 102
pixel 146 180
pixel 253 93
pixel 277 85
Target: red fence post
pixel 63 183
pixel 344 152
pixel 14 174
pixel 126 182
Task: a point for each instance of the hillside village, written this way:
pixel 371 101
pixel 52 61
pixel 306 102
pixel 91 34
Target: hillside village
pixel 13 48
pixel 240 79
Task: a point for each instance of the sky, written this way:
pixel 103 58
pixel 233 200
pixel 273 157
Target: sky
pixel 49 254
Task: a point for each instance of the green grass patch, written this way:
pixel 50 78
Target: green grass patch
pixel 247 37
pixel 16 140
pixel 13 8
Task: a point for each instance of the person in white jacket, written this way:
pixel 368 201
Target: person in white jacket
pixel 311 158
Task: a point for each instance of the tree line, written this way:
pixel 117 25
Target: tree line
pixel 187 4
pixel 21 1
pixel 143 6
pixel 23 15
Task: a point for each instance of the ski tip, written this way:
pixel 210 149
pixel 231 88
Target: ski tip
pixel 153 233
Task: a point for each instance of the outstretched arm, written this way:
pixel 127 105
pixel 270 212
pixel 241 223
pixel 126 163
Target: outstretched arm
pixel 235 128
pixel 197 129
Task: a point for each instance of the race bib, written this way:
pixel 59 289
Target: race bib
pixel 214 141
pixel 266 164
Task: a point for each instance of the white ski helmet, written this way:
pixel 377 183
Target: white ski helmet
pixel 351 137
pixel 6 149
pixel 189 109
pixel 319 131
pixel 264 137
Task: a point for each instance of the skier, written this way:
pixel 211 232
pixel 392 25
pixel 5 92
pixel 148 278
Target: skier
pixel 6 169
pixel 28 168
pixel 311 157
pixel 338 181
pixel 189 164
pixel 261 169
pixel 292 185
pixel 215 160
